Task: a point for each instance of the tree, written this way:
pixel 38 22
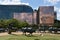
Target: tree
pixel 57 23
pixel 23 24
pixel 34 26
pixel 3 23
pixel 12 23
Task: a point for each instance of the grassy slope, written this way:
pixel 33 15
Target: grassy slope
pixel 35 37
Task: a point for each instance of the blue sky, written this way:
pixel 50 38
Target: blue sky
pixel 36 3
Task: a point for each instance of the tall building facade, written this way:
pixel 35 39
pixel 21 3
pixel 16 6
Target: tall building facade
pixel 25 15
pixel 46 15
pixel 55 15
pixel 34 17
pixel 19 12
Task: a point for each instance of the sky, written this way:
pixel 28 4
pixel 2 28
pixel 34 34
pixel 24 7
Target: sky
pixel 35 4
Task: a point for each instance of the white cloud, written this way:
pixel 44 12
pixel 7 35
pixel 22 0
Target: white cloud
pixel 36 8
pixel 12 2
pixel 55 8
pixel 52 1
pixel 46 5
pixel 58 16
pixel 58 12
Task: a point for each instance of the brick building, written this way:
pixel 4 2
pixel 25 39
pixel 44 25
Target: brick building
pixel 45 15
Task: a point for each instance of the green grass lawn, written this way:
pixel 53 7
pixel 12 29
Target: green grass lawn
pixel 34 37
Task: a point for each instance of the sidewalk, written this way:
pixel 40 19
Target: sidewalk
pixel 20 33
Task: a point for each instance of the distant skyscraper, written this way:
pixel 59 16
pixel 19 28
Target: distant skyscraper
pixel 55 15
pixel 24 17
pixel 19 12
pixel 46 15
pixel 25 14
pixel 35 17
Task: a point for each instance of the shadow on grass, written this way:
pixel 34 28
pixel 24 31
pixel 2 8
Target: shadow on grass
pixel 57 33
pixel 25 35
pixel 30 35
pixel 14 34
pixel 36 39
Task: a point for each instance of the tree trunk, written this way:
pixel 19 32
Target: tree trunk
pixel 9 31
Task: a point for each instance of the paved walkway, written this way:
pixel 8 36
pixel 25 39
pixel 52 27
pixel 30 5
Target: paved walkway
pixel 17 33
pixel 20 33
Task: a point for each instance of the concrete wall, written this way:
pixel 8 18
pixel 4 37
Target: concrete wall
pixel 23 17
